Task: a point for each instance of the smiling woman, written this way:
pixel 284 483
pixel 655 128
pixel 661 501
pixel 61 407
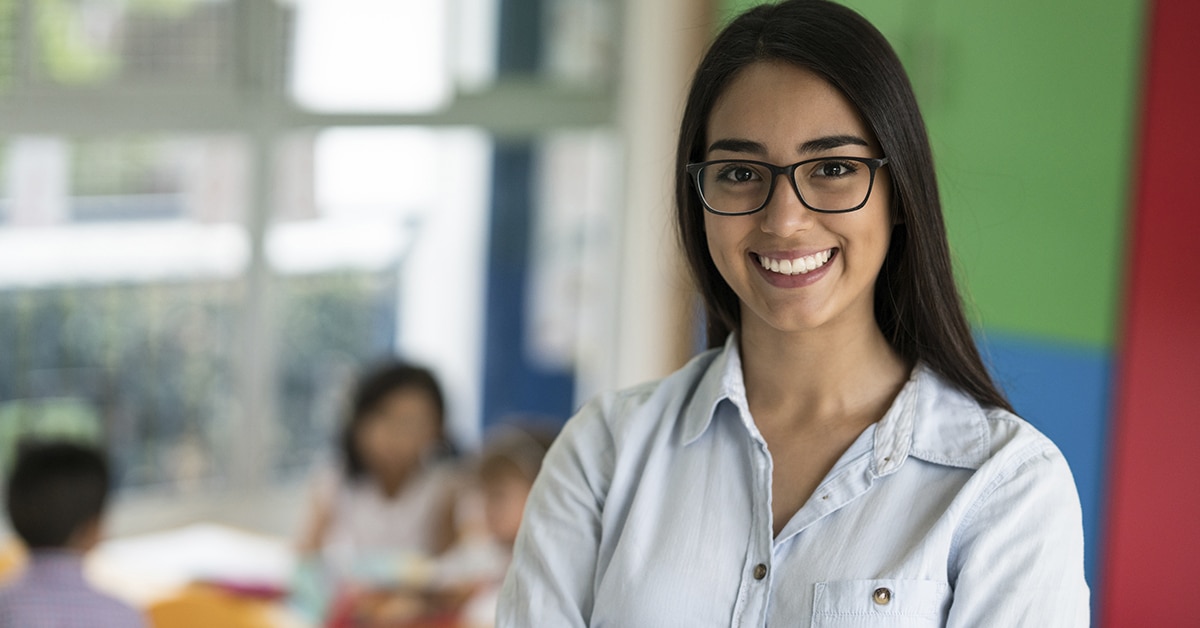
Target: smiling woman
pixel 840 457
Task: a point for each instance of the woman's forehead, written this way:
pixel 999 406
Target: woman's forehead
pixel 783 107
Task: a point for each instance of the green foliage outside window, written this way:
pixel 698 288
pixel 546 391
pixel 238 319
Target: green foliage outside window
pixel 151 369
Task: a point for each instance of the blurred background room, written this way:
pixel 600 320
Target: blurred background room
pixel 214 214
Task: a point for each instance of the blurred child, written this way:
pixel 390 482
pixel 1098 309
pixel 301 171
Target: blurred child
pixel 464 582
pixel 392 494
pixel 55 499
pixel 508 465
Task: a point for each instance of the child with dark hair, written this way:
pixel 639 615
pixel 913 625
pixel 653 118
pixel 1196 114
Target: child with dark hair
pixel 390 494
pixel 55 498
pixel 463 585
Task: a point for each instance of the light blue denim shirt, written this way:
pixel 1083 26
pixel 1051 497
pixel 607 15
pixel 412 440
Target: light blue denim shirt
pixel 653 508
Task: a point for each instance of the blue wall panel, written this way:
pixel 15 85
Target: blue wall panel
pixel 513 384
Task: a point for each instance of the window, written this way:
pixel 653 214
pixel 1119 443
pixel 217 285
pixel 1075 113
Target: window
pixel 213 211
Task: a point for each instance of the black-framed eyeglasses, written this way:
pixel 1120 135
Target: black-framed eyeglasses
pixel 830 185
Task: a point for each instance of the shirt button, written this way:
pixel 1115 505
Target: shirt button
pixel 882 596
pixel 760 571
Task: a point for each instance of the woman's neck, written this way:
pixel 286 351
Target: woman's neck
pixel 814 377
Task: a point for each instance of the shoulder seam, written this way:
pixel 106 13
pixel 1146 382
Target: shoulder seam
pixel 1028 454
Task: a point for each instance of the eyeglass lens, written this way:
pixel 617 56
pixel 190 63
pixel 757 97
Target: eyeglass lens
pixel 835 184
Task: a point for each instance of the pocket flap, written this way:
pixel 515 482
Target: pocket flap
pixel 908 598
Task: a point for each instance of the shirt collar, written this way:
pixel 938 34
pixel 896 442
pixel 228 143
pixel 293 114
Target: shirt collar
pixel 55 563
pixel 930 419
pixel 944 425
pixel 722 380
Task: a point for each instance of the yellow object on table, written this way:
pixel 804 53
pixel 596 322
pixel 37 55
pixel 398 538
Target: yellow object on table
pixel 12 558
pixel 206 606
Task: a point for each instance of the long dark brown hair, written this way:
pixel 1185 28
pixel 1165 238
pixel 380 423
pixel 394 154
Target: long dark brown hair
pixel 917 305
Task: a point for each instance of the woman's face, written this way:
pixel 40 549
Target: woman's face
pixel 397 433
pixel 781 114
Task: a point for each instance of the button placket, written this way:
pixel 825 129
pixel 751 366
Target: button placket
pixel 763 466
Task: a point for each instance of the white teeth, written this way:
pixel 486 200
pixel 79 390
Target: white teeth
pixel 798 266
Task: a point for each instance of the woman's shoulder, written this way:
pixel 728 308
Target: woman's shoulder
pixel 954 422
pixel 642 404
pixel 1019 445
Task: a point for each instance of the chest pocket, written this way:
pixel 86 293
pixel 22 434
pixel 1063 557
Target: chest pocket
pixel 880 603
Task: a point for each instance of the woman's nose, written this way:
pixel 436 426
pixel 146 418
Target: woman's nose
pixel 784 214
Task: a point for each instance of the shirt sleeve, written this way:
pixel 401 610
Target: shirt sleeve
pixel 552 578
pixel 1019 554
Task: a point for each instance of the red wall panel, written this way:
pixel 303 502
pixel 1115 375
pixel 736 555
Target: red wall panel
pixel 1154 510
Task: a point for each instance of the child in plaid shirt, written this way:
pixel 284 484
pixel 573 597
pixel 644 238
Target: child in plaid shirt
pixel 55 499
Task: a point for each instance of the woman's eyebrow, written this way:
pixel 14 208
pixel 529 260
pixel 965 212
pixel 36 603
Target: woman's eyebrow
pixel 820 144
pixel 831 142
pixel 738 146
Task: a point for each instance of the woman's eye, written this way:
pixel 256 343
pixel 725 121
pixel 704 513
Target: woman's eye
pixel 835 169
pixel 739 174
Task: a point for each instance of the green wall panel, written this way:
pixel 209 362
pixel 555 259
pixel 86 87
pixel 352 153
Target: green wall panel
pixel 1030 107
